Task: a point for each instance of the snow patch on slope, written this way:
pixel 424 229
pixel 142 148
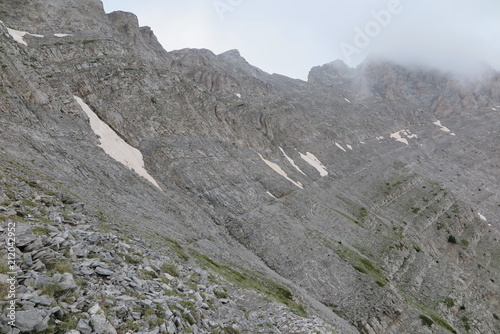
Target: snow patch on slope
pixel 281 172
pixel 115 146
pixel 340 146
pixel 313 161
pixel 62 35
pixel 290 160
pixel 18 36
pixel 270 194
pixel 443 128
pixel 403 136
pixel 482 217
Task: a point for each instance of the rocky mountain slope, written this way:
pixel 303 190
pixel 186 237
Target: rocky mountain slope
pixel 366 198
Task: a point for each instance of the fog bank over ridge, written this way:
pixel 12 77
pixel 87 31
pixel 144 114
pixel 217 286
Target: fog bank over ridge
pixel 291 38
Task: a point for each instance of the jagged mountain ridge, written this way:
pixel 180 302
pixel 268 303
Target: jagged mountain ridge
pixel 201 121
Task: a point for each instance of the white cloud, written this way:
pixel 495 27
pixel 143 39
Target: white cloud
pixel 291 37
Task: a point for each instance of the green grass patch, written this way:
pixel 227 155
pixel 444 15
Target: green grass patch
pixel 363 212
pixel 4 291
pixel 129 325
pixel 131 260
pixel 145 275
pixel 177 249
pixel 61 266
pixel 230 330
pixel 221 293
pixel 361 264
pixel 68 322
pixel 40 230
pixel 249 280
pixel 10 194
pixel 4 268
pixel 6 202
pixel 345 215
pixel 465 322
pixel 449 302
pixel 170 269
pixel 442 323
pixel 426 321
pixel 417 247
pixel 428 313
pixel 67 199
pixel 54 291
pixel 135 294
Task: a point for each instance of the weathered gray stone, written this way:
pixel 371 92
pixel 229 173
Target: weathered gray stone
pixel 103 271
pixel 28 259
pixel 73 331
pixel 41 300
pixel 100 324
pixel 33 320
pixel 171 329
pixel 84 327
pixel 38 266
pixel 67 282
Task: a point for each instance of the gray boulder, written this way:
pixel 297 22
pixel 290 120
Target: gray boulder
pixel 32 321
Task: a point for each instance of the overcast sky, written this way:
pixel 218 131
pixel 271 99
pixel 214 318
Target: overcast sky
pixel 290 37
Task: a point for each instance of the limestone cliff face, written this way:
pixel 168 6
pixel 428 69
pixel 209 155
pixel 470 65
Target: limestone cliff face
pixel 372 193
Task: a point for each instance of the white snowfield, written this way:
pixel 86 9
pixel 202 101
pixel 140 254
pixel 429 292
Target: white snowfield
pixel 18 36
pixel 290 160
pixel 347 100
pixel 115 146
pixel 400 136
pixel 443 128
pixel 62 35
pixel 281 172
pixel 313 161
pixel 482 217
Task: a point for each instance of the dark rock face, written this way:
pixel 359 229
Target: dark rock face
pixel 372 193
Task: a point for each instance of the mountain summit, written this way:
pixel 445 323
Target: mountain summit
pixel 189 192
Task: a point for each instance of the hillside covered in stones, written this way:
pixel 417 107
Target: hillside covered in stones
pixel 188 192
